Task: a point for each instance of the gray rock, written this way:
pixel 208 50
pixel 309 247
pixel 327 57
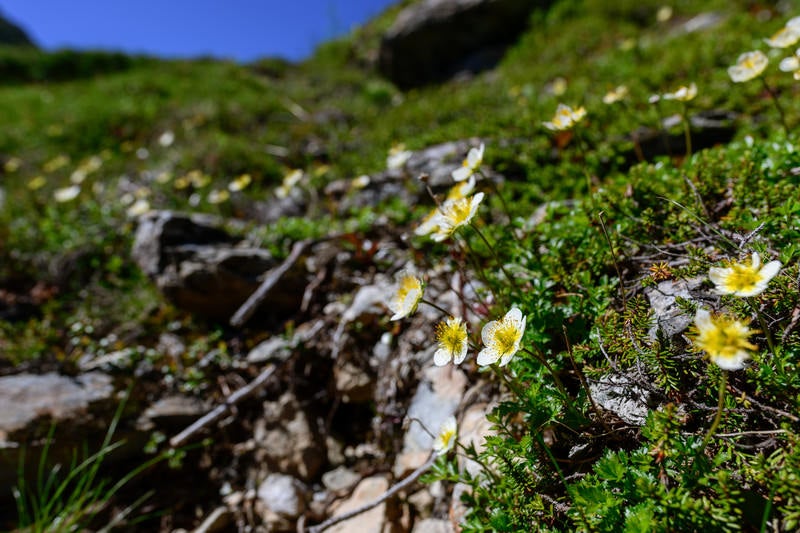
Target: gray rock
pixel 283 495
pixel 28 399
pixel 437 397
pixel 437 162
pixel 432 40
pixel 172 413
pixel 371 521
pixel 668 318
pixel 80 408
pixel 287 441
pixel 623 398
pixel 340 479
pixel 433 525
pixel 196 266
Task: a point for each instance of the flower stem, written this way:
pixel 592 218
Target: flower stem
pixel 723 383
pixel 764 329
pixel 494 253
pixel 777 105
pixel 435 306
pixel 513 386
pixel 687 130
pixel 496 191
pixel 557 380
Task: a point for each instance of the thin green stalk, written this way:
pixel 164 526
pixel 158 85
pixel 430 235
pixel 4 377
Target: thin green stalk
pixel 764 329
pixel 687 130
pixel 614 260
pixel 723 383
pixel 777 105
pixel 559 384
pixel 494 254
pixel 515 387
pixel 435 306
pixel 496 191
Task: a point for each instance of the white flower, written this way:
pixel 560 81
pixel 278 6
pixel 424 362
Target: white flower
pixel 502 338
pixel 139 207
pixel 407 295
pixel 453 342
pixel 454 214
pixel 743 279
pixel 290 180
pixel 748 66
pixel 218 196
pixel 723 338
pixel 470 164
pixel 615 95
pixel 67 194
pixel 240 183
pixel 683 94
pixel 565 118
pixel 791 64
pixel 446 438
pixel 784 37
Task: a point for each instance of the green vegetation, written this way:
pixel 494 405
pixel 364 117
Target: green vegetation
pixel 576 233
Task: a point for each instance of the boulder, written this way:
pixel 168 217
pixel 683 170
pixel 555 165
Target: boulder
pixel 79 407
pixel 201 268
pixel 432 40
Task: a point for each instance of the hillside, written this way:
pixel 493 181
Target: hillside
pixel 617 282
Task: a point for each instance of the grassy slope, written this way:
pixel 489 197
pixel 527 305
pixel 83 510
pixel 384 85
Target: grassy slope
pixel 224 115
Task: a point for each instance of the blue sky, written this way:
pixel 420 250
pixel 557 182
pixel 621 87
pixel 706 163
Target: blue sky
pixel 243 30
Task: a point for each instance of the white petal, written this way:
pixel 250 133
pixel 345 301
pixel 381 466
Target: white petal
pixel 461 173
pixel 487 357
pixel 514 314
pixel 737 362
pixel 487 333
pixel 441 357
pixel 460 356
pixel 789 64
pixel 755 260
pixel 770 270
pixel 702 319
pixel 718 275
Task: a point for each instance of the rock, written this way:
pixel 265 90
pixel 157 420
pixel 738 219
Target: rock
pixel 196 266
pixel 283 495
pixel 622 397
pixel 78 406
pixel 31 402
pixel 287 441
pixel 669 320
pixel 473 428
pixel 432 40
pixel 437 397
pixel 273 349
pixel 340 479
pixel 172 413
pixel 354 383
pixel 372 521
pixel 433 525
pixel 437 162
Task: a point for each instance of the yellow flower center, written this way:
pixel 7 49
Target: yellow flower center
pixel 407 284
pixel 450 336
pixel 725 339
pixel 506 337
pixel 742 278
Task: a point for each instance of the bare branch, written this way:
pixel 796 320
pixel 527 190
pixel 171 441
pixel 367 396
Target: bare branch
pixel 217 413
pixel 408 480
